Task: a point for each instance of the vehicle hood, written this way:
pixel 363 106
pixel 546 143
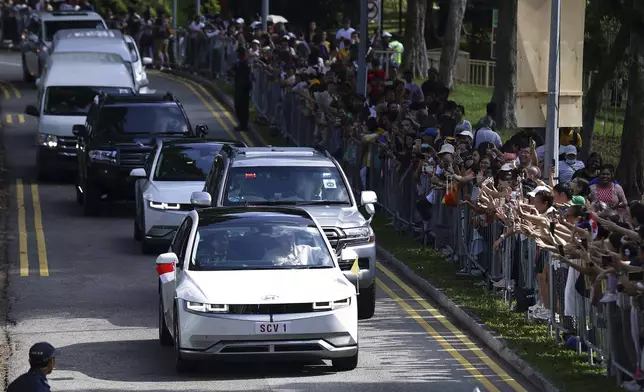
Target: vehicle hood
pixel 337 216
pixel 59 125
pixel 131 140
pixel 173 191
pixel 248 287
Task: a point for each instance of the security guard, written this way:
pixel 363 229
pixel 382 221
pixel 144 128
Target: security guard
pixel 41 361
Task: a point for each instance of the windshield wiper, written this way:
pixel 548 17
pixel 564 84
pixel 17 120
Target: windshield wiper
pixel 322 203
pixel 311 266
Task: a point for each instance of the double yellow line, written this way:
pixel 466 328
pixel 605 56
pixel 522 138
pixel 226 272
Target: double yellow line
pixel 20 118
pixel 210 103
pixel 205 97
pixel 7 88
pixel 22 230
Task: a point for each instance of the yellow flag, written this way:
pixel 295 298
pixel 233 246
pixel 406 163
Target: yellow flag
pixel 355 268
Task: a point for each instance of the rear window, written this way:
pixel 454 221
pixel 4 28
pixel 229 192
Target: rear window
pixel 75 100
pixel 54 26
pixel 143 119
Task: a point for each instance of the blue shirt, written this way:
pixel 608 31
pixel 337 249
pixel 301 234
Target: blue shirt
pixel 32 381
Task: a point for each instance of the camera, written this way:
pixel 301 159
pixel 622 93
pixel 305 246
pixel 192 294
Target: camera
pixel 606 261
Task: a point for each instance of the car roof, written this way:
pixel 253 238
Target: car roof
pixel 82 69
pixel 68 15
pixel 208 216
pixel 116 46
pixel 280 156
pixel 185 142
pixel 141 98
pixel 87 33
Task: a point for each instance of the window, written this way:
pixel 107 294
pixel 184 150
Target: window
pixel 34 27
pixel 52 27
pixel 183 241
pixel 296 185
pixel 143 119
pixel 188 162
pixel 148 163
pixel 133 51
pixel 259 242
pixel 75 100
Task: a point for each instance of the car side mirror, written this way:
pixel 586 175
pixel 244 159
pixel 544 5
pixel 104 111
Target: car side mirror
pixel 348 255
pixel 37 82
pixel 79 130
pixel 167 258
pixel 201 199
pixel 139 172
pixel 371 210
pixel 33 37
pixel 146 61
pixel 31 110
pixel 368 197
pixel 202 130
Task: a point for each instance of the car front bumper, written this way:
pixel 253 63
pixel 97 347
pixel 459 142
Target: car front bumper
pixel 161 225
pixel 57 159
pixel 323 335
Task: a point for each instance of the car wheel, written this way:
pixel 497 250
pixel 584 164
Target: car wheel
pixel 181 364
pixel 345 364
pixel 91 200
pixel 164 333
pixel 367 302
pixel 26 76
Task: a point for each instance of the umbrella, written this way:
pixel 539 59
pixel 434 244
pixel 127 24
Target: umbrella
pixel 277 19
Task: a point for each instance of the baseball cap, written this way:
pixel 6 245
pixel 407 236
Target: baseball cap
pixel 578 200
pixel 386 34
pixel 466 133
pixel 430 132
pixel 41 353
pixel 537 190
pixel 568 150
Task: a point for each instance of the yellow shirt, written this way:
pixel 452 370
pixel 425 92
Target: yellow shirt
pixel 567 137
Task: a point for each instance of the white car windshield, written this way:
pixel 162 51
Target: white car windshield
pixel 76 100
pixel 260 244
pixel 52 27
pixel 287 185
pixel 185 162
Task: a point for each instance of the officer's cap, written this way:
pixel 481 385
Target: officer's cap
pixel 41 353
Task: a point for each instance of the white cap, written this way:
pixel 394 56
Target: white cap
pixel 255 41
pixel 286 37
pixel 386 34
pixel 239 21
pixel 446 149
pixel 255 24
pixel 466 133
pixel 292 35
pixel 568 150
pixel 507 167
pixel 537 190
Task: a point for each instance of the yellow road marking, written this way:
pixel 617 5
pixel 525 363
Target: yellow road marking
pixel 457 333
pixel 5 91
pixel 9 119
pixel 217 115
pixel 22 229
pixel 21 118
pixel 438 338
pixel 8 86
pixel 40 234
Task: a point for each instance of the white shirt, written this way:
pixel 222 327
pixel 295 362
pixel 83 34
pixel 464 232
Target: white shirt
pixel 484 135
pixel 194 26
pixel 344 34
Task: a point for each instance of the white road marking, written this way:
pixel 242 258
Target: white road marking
pixel 11 64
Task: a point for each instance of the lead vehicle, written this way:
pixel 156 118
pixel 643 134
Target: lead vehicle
pixel 255 282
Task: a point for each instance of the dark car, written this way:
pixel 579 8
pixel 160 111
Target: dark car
pixel 118 136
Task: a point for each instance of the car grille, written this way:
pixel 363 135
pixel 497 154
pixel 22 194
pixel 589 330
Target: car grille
pixel 271 308
pixel 67 145
pixel 333 235
pixel 133 158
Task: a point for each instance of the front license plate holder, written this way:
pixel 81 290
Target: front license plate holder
pixel 276 328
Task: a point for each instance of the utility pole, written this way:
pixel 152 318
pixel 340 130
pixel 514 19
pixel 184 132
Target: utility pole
pixel 175 44
pixel 361 85
pixel 265 15
pixel 552 120
pixel 198 5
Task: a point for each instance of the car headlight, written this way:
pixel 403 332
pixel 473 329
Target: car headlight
pixel 103 156
pixel 332 305
pixel 46 140
pixel 164 206
pixel 364 233
pixel 206 308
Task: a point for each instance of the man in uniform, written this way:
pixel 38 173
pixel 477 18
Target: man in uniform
pixel 241 71
pixel 41 362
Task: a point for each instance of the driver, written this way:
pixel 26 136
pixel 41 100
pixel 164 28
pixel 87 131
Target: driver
pixel 213 250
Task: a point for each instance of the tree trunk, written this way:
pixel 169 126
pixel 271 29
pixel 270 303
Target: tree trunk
pixel 505 72
pixel 451 42
pixel 431 37
pixel 592 100
pixel 415 54
pixel 630 171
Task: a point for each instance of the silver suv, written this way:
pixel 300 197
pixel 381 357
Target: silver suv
pixel 307 178
pixel 38 37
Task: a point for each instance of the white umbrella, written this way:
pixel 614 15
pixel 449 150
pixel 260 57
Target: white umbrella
pixel 277 19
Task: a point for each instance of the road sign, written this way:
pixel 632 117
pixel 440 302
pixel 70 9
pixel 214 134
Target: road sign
pixel 373 10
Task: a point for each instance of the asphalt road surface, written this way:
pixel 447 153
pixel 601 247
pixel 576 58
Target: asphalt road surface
pixel 83 285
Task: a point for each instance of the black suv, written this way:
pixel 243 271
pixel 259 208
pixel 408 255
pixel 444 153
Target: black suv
pixel 118 135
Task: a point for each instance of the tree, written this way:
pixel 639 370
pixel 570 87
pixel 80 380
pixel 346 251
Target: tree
pixel 630 171
pixel 415 54
pixel 451 41
pixel 505 72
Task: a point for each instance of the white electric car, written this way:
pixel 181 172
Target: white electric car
pixel 255 282
pixel 174 169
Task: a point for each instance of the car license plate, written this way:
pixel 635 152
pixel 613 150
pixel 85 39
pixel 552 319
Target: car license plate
pixel 272 328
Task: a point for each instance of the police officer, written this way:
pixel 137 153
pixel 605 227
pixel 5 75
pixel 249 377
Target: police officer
pixel 41 361
pixel 243 81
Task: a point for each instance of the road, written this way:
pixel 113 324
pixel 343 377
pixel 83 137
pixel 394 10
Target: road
pixel 83 285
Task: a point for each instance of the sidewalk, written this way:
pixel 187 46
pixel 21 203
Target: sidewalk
pixel 523 344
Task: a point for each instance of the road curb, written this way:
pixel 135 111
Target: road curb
pixel 219 95
pixel 479 330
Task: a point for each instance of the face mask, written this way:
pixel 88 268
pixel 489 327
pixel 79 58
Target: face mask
pixel 571 161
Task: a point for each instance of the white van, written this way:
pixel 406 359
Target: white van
pixel 69 83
